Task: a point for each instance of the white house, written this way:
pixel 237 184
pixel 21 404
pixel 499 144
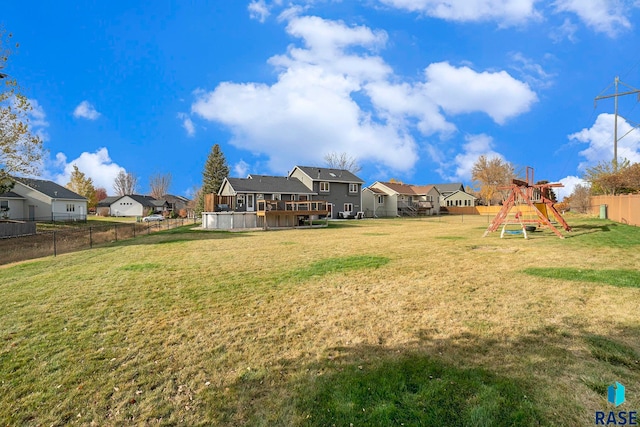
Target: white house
pixel 388 199
pixel 132 205
pixel 40 200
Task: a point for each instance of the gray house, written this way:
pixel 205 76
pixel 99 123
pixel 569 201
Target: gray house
pixel 340 188
pixel 244 193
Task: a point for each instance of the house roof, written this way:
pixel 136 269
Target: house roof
pixel 268 184
pixel 328 174
pixel 146 201
pixel 175 199
pixel 406 189
pixel 10 195
pixel 423 189
pixel 450 187
pixel 459 191
pixel 49 188
pixel 376 190
pixel 400 188
pixel 107 201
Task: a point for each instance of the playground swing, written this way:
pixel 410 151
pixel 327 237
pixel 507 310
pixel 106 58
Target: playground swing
pixel 521 228
pixel 533 196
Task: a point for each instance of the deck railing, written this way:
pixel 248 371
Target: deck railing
pixel 292 206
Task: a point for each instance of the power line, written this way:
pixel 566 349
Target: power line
pixel 615 96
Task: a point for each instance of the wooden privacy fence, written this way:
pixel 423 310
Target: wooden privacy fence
pixel 472 210
pixel 16 228
pixel 624 208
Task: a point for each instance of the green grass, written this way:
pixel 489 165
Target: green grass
pixel 610 351
pixel 619 277
pixel 604 233
pixel 417 390
pixel 414 321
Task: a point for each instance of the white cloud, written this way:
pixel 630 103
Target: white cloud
pixel 336 93
pixel 604 16
pixel 567 31
pixel 86 110
pixel 241 169
pixel 463 90
pixel 532 72
pixel 98 166
pixel 600 141
pixel 506 12
pixel 569 183
pixel 187 124
pixel 474 147
pixel 38 120
pixel 258 10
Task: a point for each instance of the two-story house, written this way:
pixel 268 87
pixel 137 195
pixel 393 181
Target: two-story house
pixel 341 189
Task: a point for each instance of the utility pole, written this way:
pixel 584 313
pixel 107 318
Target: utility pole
pixel 615 96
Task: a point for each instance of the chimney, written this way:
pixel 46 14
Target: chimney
pixel 318 173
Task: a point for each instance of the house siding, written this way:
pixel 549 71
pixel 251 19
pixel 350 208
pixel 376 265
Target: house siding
pixel 16 209
pixel 338 193
pixel 459 199
pixel 126 206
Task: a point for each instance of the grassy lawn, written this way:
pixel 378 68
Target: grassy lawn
pixel 372 322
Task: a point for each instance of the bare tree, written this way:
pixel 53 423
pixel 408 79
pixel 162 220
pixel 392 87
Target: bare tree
pixel 580 199
pixel 125 183
pixel 490 174
pixel 342 161
pixel 159 184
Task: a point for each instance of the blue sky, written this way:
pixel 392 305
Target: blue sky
pixel 414 89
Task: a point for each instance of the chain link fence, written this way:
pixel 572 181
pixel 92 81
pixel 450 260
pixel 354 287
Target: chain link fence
pixel 71 239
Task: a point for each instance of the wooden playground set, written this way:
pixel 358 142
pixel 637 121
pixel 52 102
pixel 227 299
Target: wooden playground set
pixel 527 207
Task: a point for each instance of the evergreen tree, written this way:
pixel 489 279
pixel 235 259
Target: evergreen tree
pixel 215 171
pixel 80 184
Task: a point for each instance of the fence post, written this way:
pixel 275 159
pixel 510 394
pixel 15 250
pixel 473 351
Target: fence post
pixel 134 230
pixel 115 227
pixel 54 244
pixel 90 239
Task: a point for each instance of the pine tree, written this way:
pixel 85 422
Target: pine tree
pixel 80 184
pixel 215 171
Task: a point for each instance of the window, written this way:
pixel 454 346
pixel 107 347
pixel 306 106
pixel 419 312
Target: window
pixel 4 206
pixel 276 196
pixel 380 200
pixel 71 207
pixel 353 188
pixel 348 207
pixel 429 198
pixel 324 187
pixel 240 200
pixel 260 196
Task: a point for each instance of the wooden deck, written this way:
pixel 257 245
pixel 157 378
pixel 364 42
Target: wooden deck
pixel 291 214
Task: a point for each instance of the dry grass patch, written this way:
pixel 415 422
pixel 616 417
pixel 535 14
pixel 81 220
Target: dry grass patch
pixel 302 327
